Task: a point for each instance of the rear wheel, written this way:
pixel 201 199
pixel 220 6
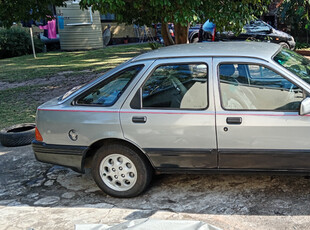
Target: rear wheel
pixel 119 171
pixel 284 45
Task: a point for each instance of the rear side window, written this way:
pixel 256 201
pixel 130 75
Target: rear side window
pixel 177 86
pixel 107 92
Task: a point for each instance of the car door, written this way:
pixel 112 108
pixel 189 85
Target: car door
pixel 257 118
pixel 170 114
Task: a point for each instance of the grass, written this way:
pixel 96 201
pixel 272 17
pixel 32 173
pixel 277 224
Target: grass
pixel 24 68
pixel 18 105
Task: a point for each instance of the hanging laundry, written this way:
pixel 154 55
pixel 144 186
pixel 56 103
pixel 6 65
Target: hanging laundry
pixel 51 29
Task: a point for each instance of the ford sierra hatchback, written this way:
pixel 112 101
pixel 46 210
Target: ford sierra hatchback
pixel 212 107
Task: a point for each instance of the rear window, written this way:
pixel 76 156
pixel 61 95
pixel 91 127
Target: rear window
pixel 107 92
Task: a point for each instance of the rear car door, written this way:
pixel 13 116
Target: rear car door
pixel 258 121
pixel 170 114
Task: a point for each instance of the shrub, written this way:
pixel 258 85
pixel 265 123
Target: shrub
pixel 154 45
pixel 16 41
pixel 300 45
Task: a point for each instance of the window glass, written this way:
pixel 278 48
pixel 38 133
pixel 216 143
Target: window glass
pixel 176 87
pixel 297 64
pixel 107 93
pixel 255 87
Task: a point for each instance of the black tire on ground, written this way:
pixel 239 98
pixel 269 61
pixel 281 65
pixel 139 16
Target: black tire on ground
pixel 284 45
pixel 17 135
pixel 116 157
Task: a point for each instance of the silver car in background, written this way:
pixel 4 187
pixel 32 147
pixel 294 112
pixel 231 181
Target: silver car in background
pixel 212 107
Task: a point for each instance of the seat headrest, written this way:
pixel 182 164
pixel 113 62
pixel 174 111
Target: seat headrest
pixel 227 70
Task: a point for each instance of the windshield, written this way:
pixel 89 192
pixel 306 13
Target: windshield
pixel 295 63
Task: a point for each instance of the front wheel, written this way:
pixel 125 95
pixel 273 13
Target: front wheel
pixel 120 172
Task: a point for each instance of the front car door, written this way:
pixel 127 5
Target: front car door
pixel 170 114
pixel 258 121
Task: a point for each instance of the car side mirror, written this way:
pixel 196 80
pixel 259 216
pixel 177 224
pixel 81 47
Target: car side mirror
pixel 305 106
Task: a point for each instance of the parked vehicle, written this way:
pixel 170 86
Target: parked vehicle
pixel 211 107
pixel 256 30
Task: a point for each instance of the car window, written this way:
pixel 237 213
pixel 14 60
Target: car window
pixel 107 92
pixel 295 63
pixel 257 26
pixel 255 87
pixel 178 86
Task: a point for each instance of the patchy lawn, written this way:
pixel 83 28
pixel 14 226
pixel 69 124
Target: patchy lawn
pixel 25 83
pixel 23 68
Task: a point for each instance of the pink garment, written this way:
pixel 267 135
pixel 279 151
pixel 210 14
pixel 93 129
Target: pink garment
pixel 51 29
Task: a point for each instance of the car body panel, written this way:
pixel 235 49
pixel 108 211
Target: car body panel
pixel 264 139
pixel 178 131
pixel 91 123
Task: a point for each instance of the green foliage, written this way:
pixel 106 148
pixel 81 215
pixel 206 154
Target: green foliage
pixel 154 45
pixel 15 41
pixel 25 10
pixel 296 13
pixel 300 45
pixel 229 15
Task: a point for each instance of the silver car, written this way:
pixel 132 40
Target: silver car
pixel 212 107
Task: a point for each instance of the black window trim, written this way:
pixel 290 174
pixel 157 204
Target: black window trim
pixel 139 91
pixel 110 78
pixel 251 63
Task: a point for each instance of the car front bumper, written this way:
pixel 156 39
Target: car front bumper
pixel 65 155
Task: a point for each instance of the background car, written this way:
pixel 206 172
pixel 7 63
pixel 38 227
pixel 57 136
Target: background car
pixel 256 31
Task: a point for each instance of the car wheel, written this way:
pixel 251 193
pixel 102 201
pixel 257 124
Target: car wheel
pixel 17 135
pixel 284 45
pixel 120 172
pixel 195 40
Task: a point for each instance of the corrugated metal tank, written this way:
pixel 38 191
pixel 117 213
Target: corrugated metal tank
pixel 78 29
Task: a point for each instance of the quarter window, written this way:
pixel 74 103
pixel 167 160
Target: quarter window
pixel 107 93
pixel 178 86
pixel 255 87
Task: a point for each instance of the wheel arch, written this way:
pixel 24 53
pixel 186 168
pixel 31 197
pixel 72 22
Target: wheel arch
pixel 193 35
pixel 89 154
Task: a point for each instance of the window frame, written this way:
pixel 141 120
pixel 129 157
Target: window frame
pixel 103 82
pixel 251 63
pixel 138 93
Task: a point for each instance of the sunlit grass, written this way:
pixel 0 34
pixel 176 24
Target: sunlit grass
pixel 23 68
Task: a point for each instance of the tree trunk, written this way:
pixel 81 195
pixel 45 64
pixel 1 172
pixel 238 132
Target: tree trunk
pixel 168 41
pixel 181 33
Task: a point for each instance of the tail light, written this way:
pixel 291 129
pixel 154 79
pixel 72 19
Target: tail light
pixel 38 135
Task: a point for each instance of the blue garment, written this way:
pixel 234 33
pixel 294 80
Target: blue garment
pixel 208 26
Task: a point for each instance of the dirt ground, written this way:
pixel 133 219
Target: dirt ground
pixel 35 195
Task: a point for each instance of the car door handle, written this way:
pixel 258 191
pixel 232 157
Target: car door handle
pixel 234 120
pixel 139 119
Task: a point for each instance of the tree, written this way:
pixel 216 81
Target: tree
pixel 229 15
pixel 25 10
pixel 295 13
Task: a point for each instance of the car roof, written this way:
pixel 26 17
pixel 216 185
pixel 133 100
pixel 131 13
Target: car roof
pixel 262 50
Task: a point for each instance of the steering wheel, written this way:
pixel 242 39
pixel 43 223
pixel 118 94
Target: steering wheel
pixel 177 84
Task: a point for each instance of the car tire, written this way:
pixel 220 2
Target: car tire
pixel 195 40
pixel 284 45
pixel 17 135
pixel 120 172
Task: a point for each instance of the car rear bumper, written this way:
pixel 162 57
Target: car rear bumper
pixel 65 155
